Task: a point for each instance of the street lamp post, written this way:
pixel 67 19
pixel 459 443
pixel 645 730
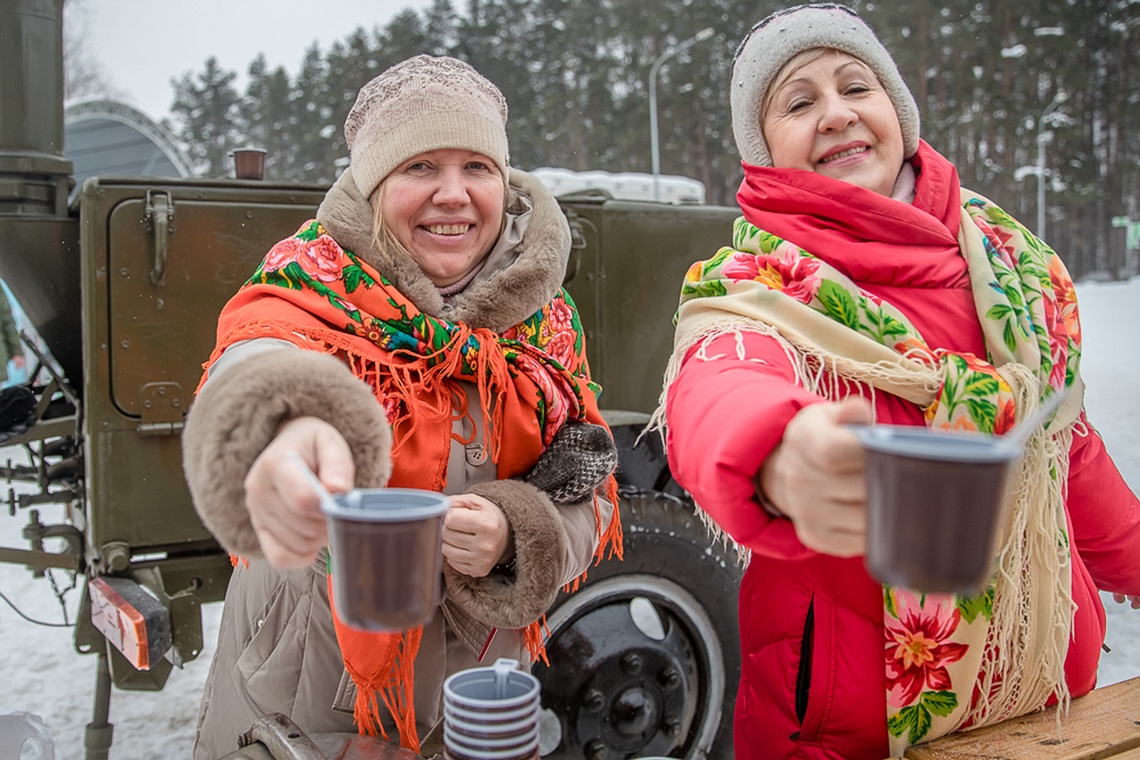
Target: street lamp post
pixel 1044 137
pixel 704 34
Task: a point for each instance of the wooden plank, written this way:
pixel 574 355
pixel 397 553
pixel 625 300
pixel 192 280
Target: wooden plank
pixel 1102 724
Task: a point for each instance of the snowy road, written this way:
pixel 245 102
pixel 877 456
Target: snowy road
pixel 40 672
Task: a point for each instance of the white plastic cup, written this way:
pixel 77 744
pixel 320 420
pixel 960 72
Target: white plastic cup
pixel 455 738
pixel 499 734
pixel 523 712
pixel 499 688
pixel 472 753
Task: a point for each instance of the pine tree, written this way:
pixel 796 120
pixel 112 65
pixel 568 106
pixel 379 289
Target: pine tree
pixel 204 113
pixel 575 75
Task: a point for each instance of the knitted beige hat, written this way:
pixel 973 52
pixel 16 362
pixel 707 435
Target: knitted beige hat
pixel 775 40
pixel 423 104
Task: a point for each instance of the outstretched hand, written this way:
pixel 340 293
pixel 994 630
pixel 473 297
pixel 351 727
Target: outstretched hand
pixel 283 507
pixel 476 535
pixel 815 477
pixel 1123 598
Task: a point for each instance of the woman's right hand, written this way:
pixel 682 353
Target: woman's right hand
pixel 283 507
pixel 815 477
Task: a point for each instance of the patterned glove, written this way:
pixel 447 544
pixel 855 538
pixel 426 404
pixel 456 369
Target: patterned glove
pixel 576 463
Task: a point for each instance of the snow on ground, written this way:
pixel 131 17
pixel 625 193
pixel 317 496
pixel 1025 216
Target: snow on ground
pixel 41 673
pixel 1111 369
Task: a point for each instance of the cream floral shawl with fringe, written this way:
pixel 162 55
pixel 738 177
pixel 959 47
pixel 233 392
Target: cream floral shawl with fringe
pixel 952 662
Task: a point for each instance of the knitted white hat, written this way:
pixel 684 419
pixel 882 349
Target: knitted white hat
pixel 419 105
pixel 775 40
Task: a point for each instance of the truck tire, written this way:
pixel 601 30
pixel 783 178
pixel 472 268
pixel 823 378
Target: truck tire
pixel 644 657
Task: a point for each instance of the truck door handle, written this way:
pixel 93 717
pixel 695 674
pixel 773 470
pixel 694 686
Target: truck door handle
pixel 160 224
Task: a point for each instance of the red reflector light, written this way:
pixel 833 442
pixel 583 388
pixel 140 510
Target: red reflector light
pixel 135 623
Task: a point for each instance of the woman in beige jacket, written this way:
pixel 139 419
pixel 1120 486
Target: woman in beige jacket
pixel 414 334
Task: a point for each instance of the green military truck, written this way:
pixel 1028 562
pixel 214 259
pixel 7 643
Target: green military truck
pixel 123 283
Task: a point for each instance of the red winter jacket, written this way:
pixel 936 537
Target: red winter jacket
pixel 813 683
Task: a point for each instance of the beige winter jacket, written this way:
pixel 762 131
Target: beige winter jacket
pixel 277 649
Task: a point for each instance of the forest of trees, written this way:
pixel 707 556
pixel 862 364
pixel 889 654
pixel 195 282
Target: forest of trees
pixel 575 74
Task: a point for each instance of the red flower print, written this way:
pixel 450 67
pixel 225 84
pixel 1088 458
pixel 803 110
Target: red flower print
pixel 320 259
pixel 561 315
pixel 914 348
pixel 1060 355
pixel 802 291
pixel 392 409
pixel 1005 417
pixel 918 647
pixel 799 272
pixel 742 266
pixel 801 267
pixel 998 239
pixel 1061 282
pixel 281 254
pixel 523 333
pixel 558 401
pixel 1066 297
pixel 561 348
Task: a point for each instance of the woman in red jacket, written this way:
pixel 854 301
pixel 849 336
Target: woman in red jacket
pixel 863 284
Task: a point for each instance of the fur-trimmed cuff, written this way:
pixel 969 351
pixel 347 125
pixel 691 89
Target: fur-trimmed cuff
pixel 516 602
pixel 237 414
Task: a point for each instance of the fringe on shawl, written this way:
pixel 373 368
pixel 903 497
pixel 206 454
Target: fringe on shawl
pixel 416 381
pixel 395 689
pixel 1019 672
pixel 1023 663
pixel 534 636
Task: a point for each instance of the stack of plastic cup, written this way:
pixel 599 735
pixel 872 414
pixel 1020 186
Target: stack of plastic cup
pixel 491 713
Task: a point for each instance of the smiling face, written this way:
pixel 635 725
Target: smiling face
pixel 445 207
pixel 830 115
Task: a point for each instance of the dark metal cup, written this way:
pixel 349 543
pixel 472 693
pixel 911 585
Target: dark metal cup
pixel 249 163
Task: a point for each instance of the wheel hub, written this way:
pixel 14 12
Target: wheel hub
pixel 618 691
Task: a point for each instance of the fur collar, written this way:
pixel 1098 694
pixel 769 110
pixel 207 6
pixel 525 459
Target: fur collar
pixel 496 299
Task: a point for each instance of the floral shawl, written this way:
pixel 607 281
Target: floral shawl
pixel 532 379
pixel 951 662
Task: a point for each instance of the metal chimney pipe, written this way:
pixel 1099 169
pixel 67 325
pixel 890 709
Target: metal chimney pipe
pixel 39 239
pixel 31 86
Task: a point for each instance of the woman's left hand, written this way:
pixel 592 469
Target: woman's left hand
pixel 476 535
pixel 1122 598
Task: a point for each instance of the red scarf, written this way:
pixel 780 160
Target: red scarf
pixel 872 230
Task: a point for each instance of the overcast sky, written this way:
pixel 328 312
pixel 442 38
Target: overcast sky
pixel 143 44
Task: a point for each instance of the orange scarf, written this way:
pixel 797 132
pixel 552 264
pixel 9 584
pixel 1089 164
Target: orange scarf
pixel 532 379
